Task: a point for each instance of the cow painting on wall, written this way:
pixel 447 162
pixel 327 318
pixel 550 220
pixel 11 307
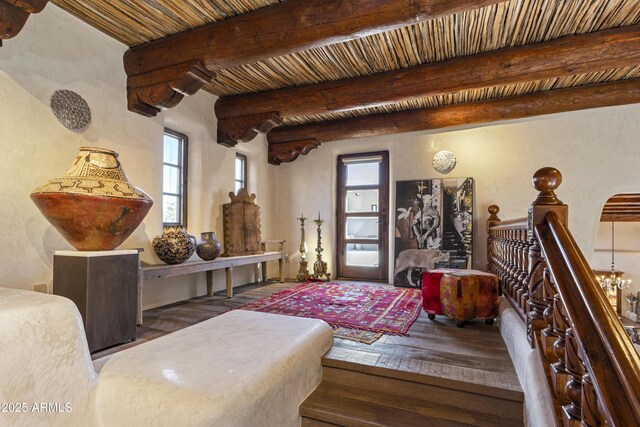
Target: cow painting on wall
pixel 434 220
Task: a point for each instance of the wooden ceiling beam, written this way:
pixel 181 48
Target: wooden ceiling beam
pixel 619 218
pixel 287 143
pixel 157 68
pixel 567 56
pixel 14 14
pixel 624 199
pixel 621 209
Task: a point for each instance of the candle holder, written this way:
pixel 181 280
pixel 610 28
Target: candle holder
pixel 320 266
pixel 303 271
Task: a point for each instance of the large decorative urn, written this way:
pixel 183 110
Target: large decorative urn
pixel 93 206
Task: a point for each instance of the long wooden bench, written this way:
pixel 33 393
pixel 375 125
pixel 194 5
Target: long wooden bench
pixel 157 271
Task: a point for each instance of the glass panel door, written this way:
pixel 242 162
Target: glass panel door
pixel 363 194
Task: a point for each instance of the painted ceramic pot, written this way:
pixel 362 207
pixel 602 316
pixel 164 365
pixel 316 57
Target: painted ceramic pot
pixel 208 248
pixel 93 206
pixel 174 245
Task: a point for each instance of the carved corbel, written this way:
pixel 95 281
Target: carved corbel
pixel 289 151
pixel 14 14
pixel 166 87
pixel 245 128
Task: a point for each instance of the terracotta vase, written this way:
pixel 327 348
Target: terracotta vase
pixel 93 206
pixel 174 245
pixel 208 248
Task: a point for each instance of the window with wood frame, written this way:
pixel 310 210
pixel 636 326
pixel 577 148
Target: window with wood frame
pixel 241 172
pixel 174 178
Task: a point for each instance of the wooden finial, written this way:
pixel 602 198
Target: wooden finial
pixel 546 181
pixel 493 216
pixel 493 211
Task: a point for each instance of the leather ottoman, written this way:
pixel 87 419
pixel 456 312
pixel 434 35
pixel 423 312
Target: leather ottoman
pixel 460 294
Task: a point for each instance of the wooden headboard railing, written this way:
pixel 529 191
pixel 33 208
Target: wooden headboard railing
pixel 591 364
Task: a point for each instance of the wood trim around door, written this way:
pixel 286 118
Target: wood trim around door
pixel 381 274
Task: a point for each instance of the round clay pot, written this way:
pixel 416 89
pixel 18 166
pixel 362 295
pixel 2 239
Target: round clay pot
pixel 93 206
pixel 208 248
pixel 174 245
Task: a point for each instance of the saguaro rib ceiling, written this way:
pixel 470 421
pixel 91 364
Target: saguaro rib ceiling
pixel 556 58
pixel 465 33
pixel 494 92
pixel 286 144
pixel 134 22
pixel 160 72
pixel 292 26
pixel 601 51
pixel 512 23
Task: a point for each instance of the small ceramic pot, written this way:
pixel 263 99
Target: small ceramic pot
pixel 174 245
pixel 208 248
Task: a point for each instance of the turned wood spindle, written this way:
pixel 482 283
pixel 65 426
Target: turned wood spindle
pixel 550 333
pixel 524 277
pixel 513 260
pixel 591 415
pixel 492 240
pixel 522 266
pixel 572 412
pixel 559 373
pixel 517 252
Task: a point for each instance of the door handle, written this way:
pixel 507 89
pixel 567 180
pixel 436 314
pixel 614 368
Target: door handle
pixel 383 222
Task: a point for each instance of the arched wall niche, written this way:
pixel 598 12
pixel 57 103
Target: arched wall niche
pixel 623 209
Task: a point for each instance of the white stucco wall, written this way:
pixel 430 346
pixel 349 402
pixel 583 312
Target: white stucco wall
pixel 57 51
pixel 597 152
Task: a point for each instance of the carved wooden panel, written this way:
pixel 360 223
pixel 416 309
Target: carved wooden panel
pixel 241 220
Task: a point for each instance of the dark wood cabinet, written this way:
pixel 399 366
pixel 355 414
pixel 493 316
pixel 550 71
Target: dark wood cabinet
pixel 104 287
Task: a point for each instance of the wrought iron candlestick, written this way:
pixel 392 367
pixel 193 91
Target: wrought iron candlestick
pixel 320 266
pixel 303 272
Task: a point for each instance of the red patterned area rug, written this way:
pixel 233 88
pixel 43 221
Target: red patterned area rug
pixel 357 312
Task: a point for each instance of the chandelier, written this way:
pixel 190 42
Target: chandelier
pixel 613 281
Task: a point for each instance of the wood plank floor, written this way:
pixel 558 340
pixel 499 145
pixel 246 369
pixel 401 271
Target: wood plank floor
pixel 173 317
pixel 474 355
